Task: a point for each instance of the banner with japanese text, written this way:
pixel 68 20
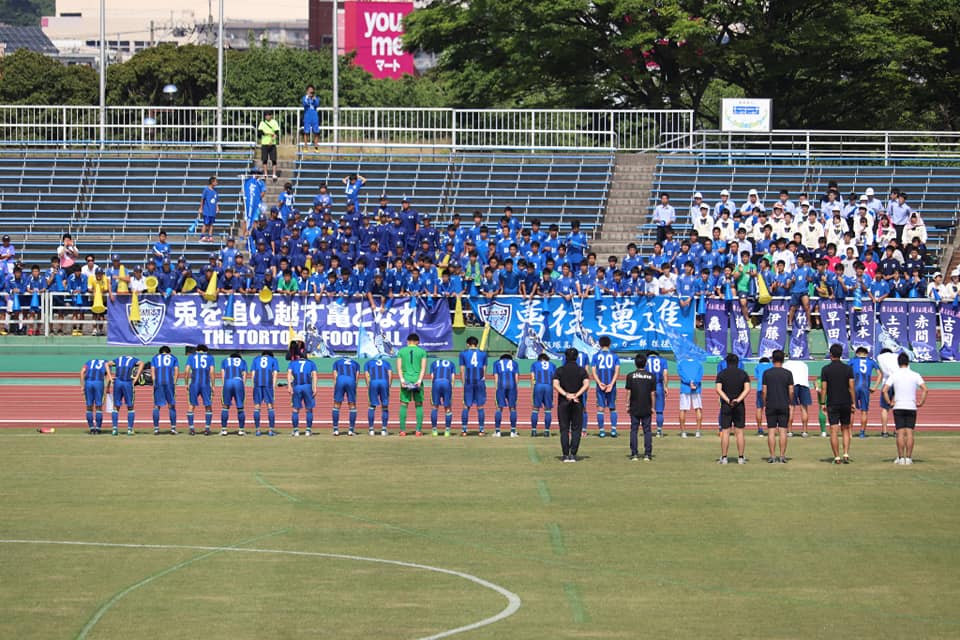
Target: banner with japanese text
pixel 716 322
pixel 631 323
pixel 863 328
pixel 922 331
pixel 833 317
pixel 892 317
pixel 773 330
pixel 191 320
pixel 949 315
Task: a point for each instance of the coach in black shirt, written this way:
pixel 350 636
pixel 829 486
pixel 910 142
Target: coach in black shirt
pixel 642 387
pixel 570 382
pixel 733 385
pixel 777 393
pixel 836 391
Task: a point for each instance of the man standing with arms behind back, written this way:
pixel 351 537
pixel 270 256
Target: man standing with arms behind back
pixel 836 392
pixel 902 386
pixel 571 382
pixel 642 388
pixel 777 390
pixel 411 368
pixel 733 385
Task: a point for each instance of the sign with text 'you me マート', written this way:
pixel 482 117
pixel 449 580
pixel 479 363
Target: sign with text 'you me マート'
pixel 375 31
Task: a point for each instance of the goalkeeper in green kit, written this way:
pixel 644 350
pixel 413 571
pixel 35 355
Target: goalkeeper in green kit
pixel 411 367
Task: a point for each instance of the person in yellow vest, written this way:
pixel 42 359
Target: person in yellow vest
pixel 269 130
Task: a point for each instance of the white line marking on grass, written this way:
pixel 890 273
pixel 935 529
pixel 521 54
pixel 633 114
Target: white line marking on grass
pixel 513 600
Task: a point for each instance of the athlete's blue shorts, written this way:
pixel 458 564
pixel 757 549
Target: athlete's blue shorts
pixel 345 386
pixel 507 397
pixel 93 392
pixel 262 395
pixel 795 299
pixel 209 220
pixel 199 393
pixel 862 399
pixel 801 396
pixel 759 398
pixel 311 123
pixel 659 399
pixel 303 397
pixel 441 393
pixel 233 392
pixel 608 399
pixel 883 401
pixel 542 396
pixel 164 394
pixel 379 394
pixel 122 393
pixel 474 394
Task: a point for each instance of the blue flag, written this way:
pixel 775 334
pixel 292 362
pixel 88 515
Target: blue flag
pixel 684 348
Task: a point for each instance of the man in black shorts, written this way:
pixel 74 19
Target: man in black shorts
pixel 733 385
pixel 642 387
pixel 903 386
pixel 777 392
pixel 571 382
pixel 836 392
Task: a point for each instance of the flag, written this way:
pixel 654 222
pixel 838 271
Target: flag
pixel 485 336
pixel 887 341
pixel 365 346
pixel 684 348
pixel 584 342
pixel 316 345
pixel 382 345
pixel 531 346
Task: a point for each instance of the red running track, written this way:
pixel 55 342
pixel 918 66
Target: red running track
pixel 63 406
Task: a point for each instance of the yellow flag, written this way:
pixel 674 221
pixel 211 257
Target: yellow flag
pixel 458 322
pixel 485 337
pixel 763 294
pixel 134 308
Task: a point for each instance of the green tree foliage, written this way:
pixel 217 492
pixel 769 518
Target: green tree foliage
pixel 27 77
pixel 140 80
pixel 25 13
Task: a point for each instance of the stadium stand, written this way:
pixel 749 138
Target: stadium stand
pixel 553 188
pixel 934 190
pixel 112 201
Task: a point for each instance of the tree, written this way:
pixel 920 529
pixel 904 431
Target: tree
pixel 25 13
pixel 27 77
pixel 140 80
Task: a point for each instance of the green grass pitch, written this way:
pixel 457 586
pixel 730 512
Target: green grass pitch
pixel 606 548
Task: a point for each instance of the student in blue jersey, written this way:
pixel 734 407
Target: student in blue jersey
pixel 762 366
pixel 199 370
pixel 263 371
pixel 302 385
pixel 605 370
pixel 352 185
pixel 311 119
pixel 473 366
pixel 94 375
pixel 507 373
pixel 124 370
pixel 690 372
pixel 863 369
pixel 209 208
pixel 657 365
pixel 346 371
pixel 541 376
pixel 166 371
pixel 442 374
pixel 233 370
pixel 378 373
pixel 801 276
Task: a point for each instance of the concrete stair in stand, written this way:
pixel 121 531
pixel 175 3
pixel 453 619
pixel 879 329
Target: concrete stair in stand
pixel 627 205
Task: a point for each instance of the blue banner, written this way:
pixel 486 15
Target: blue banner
pixel 741 334
pixel 922 331
pixel 716 321
pixel 799 346
pixel 631 323
pixel 949 315
pixel 893 319
pixel 773 332
pixel 833 317
pixel 191 320
pixel 863 328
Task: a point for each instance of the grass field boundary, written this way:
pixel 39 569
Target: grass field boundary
pixel 513 600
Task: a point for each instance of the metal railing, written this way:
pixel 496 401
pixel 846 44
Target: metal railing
pixel 826 146
pixel 442 129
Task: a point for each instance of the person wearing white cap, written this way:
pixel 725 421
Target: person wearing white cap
pixel 937 288
pixel 753 205
pixel 725 203
pixel 703 223
pixel 950 290
pixel 695 207
pixel 873 202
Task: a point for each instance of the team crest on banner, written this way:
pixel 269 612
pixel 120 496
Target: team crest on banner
pixel 151 320
pixel 498 315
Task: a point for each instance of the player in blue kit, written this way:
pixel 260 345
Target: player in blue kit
pixel 263 370
pixel 346 371
pixel 166 371
pixel 125 370
pixel 605 367
pixel 442 373
pixel 863 369
pixel 209 208
pixel 541 375
pixel 234 372
pixel 583 361
pixel 657 365
pixel 311 119
pixel 378 373
pixel 507 373
pixel 93 375
pixel 302 383
pixel 473 367
pixel 199 371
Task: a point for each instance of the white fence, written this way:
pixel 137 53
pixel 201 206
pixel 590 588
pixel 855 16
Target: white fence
pixel 442 129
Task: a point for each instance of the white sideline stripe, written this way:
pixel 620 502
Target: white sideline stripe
pixel 513 600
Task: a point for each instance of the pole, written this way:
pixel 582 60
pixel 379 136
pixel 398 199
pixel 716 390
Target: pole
pixel 336 79
pixel 220 79
pixel 103 72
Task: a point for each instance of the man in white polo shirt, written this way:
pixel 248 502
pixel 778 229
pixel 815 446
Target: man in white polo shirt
pixel 903 385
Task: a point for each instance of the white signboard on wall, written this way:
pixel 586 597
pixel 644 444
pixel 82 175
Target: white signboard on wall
pixel 746 114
